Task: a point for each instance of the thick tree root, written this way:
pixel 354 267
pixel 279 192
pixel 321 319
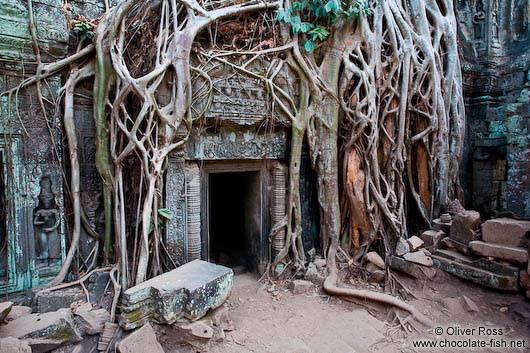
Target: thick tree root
pixel 331 288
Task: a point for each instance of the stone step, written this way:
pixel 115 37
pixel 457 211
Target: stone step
pixel 190 290
pixel 498 251
pixel 480 262
pixel 476 275
pixel 506 231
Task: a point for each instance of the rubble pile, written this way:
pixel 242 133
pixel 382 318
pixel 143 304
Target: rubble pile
pixel 186 304
pixel 493 253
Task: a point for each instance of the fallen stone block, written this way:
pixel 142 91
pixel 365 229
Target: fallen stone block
pixel 438 224
pixel 18 311
pixel 464 226
pixel 454 207
pixel 451 243
pixel 432 239
pixel 320 263
pixel 506 231
pixel 497 251
pixel 410 268
pixel 5 308
pixel 190 290
pixel 377 276
pixel 43 332
pixel 92 322
pixel 524 279
pixel 415 243
pixel 57 299
pixel 374 258
pixel 141 341
pixel 482 263
pixel 299 286
pixel 402 247
pixel 455 265
pixel 85 346
pixel 14 345
pixel 419 258
pixel 470 305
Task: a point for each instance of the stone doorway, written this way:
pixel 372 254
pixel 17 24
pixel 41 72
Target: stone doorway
pixel 233 214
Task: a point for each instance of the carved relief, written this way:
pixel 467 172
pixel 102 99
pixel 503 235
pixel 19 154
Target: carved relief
pixel 479 20
pixel 46 220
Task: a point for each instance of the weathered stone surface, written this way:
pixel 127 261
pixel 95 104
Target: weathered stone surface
pixel 419 258
pixel 451 243
pixel 320 263
pixel 437 224
pixel 506 231
pixel 470 305
pixel 370 267
pixel 299 286
pixel 410 268
pixel 454 207
pixel 141 341
pixel 13 345
pixel 377 276
pixel 43 332
pixel 197 330
pixel 415 242
pixel 524 279
pixel 374 258
pixel 432 239
pixel 221 318
pixel 85 346
pixel 57 299
pixel 402 247
pixel 312 274
pixel 18 311
pixel 464 226
pixel 5 308
pixel 191 290
pixel 497 251
pixel 92 322
pixel 477 271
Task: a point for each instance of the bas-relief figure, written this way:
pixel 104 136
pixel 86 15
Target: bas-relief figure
pixel 46 220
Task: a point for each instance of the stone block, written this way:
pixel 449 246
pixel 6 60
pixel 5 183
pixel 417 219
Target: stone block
pixel 402 247
pixel 524 279
pixel 141 341
pixel 410 268
pixel 14 345
pixel 451 243
pixel 419 258
pixel 464 226
pixel 431 239
pixel 415 243
pixel 190 290
pixel 454 207
pixel 92 322
pixel 5 308
pixel 43 332
pixel 497 251
pixel 57 299
pixel 374 258
pixel 462 267
pixel 506 231
pixel 299 286
pixel 18 311
pixel 438 224
pixel 320 263
pixel 377 276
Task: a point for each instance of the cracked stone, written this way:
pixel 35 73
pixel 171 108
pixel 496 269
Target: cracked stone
pixel 419 258
pixel 141 341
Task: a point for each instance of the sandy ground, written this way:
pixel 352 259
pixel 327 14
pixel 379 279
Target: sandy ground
pixel 275 320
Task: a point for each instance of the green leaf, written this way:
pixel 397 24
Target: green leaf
pixel 309 46
pixel 280 15
pixel 164 212
pixel 332 6
pixel 305 27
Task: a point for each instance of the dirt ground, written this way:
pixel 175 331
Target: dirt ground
pixel 269 319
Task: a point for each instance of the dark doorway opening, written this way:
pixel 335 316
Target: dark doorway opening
pixel 234 218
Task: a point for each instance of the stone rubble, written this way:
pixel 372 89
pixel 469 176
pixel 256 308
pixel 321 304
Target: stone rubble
pixel 418 257
pixel 415 243
pixel 402 247
pixel 299 286
pixel 508 253
pixel 14 345
pixel 141 341
pixel 18 311
pixel 431 239
pixel 5 308
pixel 92 322
pixel 374 258
pixel 464 226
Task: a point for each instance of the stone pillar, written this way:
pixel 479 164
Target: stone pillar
pixel 176 202
pixel 193 210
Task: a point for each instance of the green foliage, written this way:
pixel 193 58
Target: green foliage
pixel 311 17
pixel 85 31
pixel 163 215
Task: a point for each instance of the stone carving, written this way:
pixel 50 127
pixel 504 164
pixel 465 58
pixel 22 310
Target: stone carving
pixel 237 145
pixel 176 202
pixel 478 20
pixel 46 220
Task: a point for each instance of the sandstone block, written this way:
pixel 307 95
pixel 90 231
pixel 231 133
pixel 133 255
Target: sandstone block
pixel 412 269
pixel 415 242
pixel 43 332
pixel 497 251
pixel 377 276
pixel 432 239
pixel 5 308
pixel 320 263
pixel 141 341
pixel 506 231
pixel 402 247
pixel 438 224
pixel 18 311
pixel 451 243
pixel 419 258
pixel 14 345
pixel 464 226
pixel 454 207
pixel 374 258
pixel 92 322
pixel 470 305
pixel 299 286
pixel 190 290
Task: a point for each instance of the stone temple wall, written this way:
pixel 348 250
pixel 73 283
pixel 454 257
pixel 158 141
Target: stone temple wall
pixel 494 44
